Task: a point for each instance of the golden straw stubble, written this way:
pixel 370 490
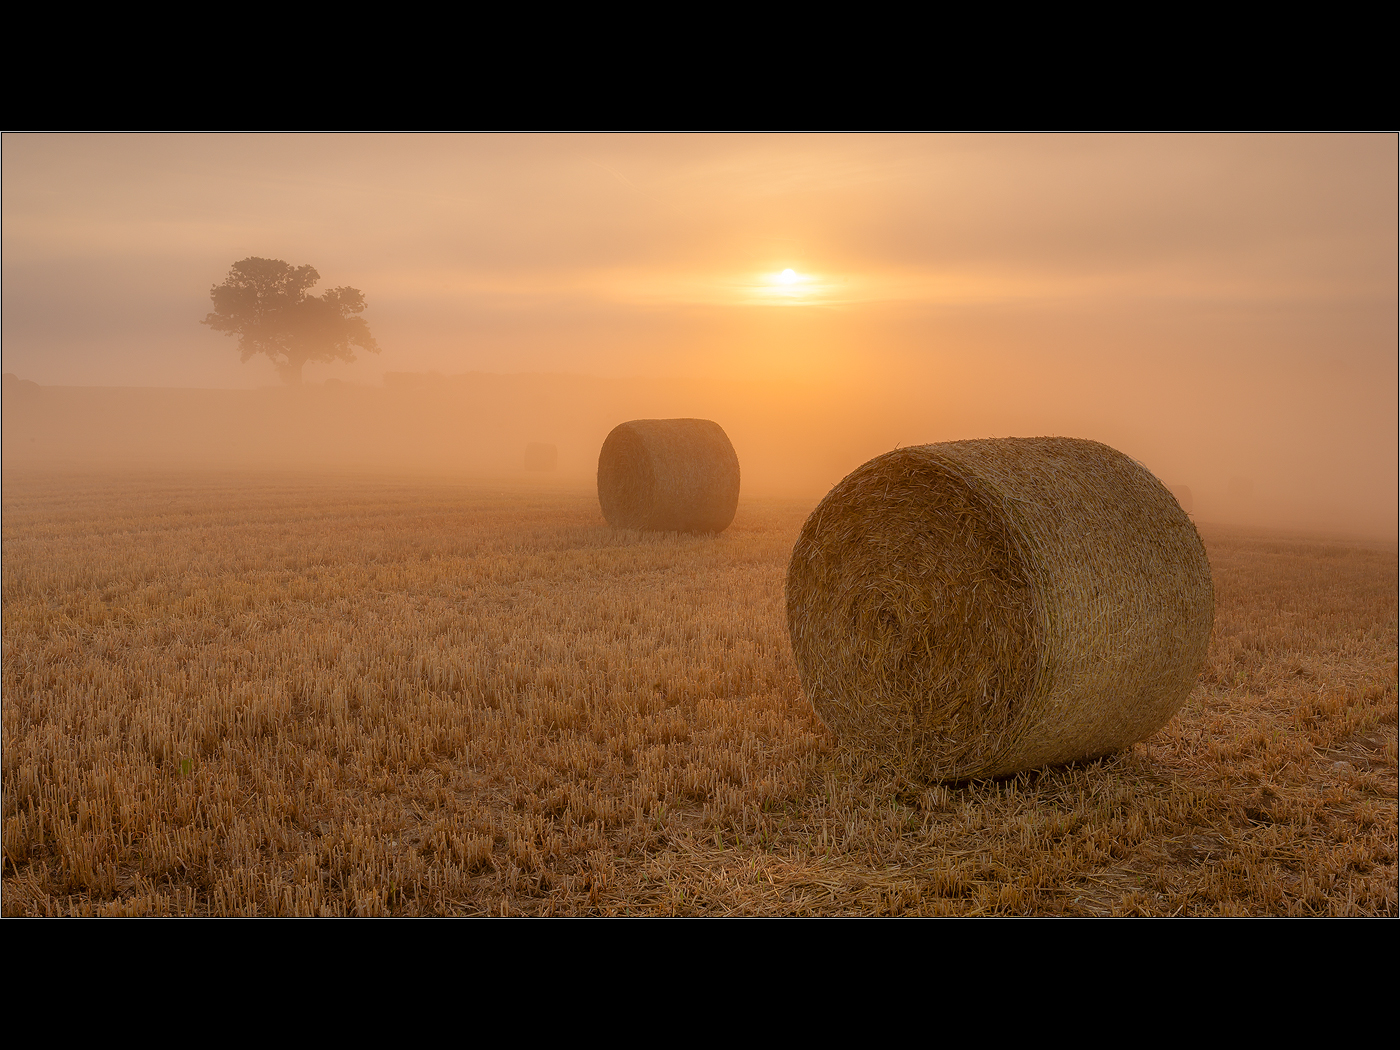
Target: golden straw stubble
pixel 975 608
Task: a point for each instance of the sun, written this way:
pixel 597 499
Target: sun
pixel 788 286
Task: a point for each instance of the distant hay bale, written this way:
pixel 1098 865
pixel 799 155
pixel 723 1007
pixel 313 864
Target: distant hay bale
pixel 678 475
pixel 976 608
pixel 541 457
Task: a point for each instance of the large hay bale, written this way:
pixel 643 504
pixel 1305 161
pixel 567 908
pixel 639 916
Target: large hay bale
pixel 975 608
pixel 678 475
pixel 539 456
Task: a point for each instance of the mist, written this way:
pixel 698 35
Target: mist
pixel 1221 308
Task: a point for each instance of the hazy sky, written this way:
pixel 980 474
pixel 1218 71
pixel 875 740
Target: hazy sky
pixel 1213 298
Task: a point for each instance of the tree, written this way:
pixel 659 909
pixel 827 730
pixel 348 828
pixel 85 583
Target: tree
pixel 268 305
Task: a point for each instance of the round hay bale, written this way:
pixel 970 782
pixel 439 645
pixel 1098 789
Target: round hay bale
pixel 670 475
pixel 976 608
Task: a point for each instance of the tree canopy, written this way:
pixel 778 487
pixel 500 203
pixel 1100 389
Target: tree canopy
pixel 268 305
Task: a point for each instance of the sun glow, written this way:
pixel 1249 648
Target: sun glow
pixel 787 285
pixel 759 286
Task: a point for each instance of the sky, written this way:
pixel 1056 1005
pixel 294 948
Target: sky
pixel 1221 307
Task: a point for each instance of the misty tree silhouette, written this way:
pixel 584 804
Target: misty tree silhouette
pixel 268 305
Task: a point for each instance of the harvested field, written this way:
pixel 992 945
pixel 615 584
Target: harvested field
pixel 274 695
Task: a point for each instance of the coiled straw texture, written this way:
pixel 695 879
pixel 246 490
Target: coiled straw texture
pixel 976 608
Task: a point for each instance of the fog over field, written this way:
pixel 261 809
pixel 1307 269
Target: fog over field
pixel 1221 308
pixel 332 585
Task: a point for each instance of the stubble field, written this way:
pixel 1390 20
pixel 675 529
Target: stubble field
pixel 307 695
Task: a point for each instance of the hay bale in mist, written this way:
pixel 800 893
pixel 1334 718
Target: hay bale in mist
pixel 541 457
pixel 677 475
pixel 975 608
